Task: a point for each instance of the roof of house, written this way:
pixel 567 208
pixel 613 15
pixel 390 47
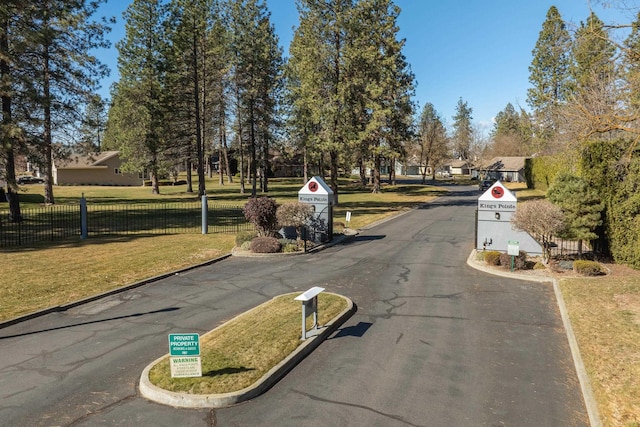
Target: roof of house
pixel 78 161
pixel 504 164
pixel 459 163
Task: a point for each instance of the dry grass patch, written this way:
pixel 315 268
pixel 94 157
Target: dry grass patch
pixel 605 315
pixel 243 350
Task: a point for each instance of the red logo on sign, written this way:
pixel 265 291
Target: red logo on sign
pixel 313 186
pixel 497 192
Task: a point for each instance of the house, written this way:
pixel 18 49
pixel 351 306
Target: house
pixel 94 169
pixel 506 169
pixel 460 167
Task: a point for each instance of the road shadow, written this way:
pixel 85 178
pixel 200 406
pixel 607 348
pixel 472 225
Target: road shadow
pixel 226 371
pixel 353 331
pixel 164 310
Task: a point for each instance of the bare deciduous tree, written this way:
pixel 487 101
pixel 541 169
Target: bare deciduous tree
pixel 540 218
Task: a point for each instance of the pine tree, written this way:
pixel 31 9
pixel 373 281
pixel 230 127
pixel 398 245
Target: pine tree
pixel 433 140
pixel 550 75
pixel 462 130
pixel 581 206
pixel 631 61
pixel 319 55
pixel 595 104
pixel 136 123
pixel 189 79
pixel 257 65
pixel 511 134
pixel 384 81
pixel 11 134
pixel 63 71
pixel 593 54
pixel 92 126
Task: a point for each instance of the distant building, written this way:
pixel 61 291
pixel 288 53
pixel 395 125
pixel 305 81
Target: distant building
pixel 506 169
pixel 95 169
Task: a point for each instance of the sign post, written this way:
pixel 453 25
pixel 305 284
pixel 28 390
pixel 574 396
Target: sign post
pixel 184 355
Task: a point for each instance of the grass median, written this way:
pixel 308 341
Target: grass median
pixel 244 349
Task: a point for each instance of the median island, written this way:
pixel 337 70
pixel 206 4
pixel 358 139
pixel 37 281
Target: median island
pixel 243 357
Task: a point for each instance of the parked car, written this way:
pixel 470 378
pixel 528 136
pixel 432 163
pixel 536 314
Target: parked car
pixel 28 179
pixel 485 184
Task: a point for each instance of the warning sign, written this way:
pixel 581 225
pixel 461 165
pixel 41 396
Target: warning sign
pixel 185 367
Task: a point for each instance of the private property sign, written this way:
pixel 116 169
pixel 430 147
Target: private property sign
pixel 184 345
pixel 184 352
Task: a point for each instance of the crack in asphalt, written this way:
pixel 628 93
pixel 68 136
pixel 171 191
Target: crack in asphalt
pixel 398 418
pixel 100 410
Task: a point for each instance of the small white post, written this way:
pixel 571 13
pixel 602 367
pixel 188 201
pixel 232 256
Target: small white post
pixel 309 301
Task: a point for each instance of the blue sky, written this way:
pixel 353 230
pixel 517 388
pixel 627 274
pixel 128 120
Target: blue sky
pixel 479 51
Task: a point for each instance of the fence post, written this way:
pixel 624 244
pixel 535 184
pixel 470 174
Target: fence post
pixel 205 224
pixel 84 229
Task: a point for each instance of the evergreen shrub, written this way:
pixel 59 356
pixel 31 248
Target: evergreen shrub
pixel 587 268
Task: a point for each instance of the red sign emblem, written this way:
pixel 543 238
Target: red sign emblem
pixel 497 192
pixel 313 186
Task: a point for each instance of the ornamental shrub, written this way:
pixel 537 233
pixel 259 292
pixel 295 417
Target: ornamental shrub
pixel 265 245
pixel 587 268
pixel 492 257
pixel 261 212
pixel 519 262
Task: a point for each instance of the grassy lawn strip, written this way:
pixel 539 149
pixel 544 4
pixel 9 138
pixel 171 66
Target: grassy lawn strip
pixel 605 316
pixel 56 273
pixel 244 349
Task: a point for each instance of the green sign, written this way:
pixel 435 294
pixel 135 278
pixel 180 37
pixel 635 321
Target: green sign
pixel 184 344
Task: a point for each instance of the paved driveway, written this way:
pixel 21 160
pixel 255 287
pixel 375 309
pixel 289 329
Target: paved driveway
pixel 433 343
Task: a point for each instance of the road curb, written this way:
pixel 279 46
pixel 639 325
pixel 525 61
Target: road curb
pixel 585 384
pixel 221 400
pixel 64 307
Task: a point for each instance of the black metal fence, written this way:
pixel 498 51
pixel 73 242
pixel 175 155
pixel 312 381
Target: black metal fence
pixel 64 221
pixel 566 248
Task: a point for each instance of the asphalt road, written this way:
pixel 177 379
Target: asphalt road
pixel 433 343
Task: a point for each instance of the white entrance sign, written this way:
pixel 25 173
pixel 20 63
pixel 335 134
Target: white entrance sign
pixel 320 197
pixel 494 231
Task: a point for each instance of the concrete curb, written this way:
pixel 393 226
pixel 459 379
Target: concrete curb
pixel 581 371
pixel 185 400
